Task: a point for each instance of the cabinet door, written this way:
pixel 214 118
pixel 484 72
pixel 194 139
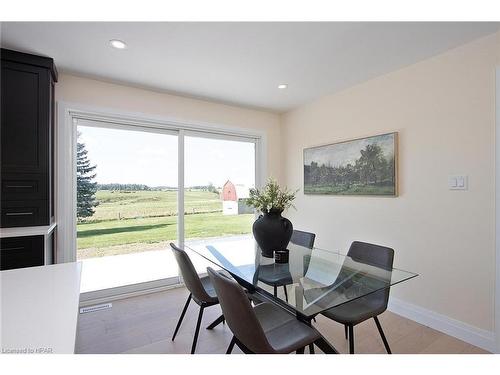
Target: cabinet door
pixel 24 213
pixel 20 252
pixel 25 97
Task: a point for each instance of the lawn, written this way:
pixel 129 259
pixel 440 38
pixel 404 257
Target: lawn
pixel 148 221
pixel 134 204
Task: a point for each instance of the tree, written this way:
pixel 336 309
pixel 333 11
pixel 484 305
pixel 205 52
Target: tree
pixel 85 186
pixel 371 160
pixel 211 188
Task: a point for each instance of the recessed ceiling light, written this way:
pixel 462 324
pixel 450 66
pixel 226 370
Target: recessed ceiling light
pixel 283 86
pixel 118 44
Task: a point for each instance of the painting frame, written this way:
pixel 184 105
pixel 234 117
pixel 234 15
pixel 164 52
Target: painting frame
pixel 393 192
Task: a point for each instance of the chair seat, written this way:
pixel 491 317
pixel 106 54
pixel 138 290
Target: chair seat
pixel 209 289
pixel 283 331
pixel 357 311
pixel 275 274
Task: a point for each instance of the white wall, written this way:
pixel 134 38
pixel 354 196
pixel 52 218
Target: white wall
pixel 443 109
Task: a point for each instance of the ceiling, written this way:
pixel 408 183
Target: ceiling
pixel 240 63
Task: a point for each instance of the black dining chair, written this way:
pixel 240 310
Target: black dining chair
pixel 263 329
pixel 357 311
pixel 277 275
pixel 201 291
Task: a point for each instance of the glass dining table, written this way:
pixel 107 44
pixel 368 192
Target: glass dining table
pixel 312 281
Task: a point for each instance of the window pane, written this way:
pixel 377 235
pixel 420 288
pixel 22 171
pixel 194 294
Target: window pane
pixel 218 176
pixel 127 206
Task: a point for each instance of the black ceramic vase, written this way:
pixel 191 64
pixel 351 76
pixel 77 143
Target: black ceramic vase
pixel 272 232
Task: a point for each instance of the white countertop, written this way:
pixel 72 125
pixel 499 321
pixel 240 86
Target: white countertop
pixel 39 308
pixel 41 230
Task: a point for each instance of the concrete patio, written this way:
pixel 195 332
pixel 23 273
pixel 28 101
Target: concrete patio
pixel 128 269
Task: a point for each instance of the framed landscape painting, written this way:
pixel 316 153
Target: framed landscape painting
pixel 365 166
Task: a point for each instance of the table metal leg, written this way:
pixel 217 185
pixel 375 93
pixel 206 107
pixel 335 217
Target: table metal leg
pixel 325 346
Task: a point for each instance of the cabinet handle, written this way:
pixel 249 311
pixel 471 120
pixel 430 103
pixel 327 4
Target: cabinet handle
pixel 12 248
pixel 18 213
pixel 19 186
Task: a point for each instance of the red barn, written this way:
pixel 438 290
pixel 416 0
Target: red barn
pixel 234 199
pixel 229 192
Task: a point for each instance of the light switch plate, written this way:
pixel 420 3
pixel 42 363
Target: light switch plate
pixel 458 182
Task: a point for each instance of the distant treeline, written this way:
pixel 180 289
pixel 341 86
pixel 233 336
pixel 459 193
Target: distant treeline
pixel 133 187
pixel 141 187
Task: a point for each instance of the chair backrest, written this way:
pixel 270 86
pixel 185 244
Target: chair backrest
pixel 189 274
pixel 302 238
pixel 374 255
pixel 362 252
pixel 239 314
pixel 305 239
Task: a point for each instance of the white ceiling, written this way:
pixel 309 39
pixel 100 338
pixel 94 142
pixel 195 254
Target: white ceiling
pixel 240 63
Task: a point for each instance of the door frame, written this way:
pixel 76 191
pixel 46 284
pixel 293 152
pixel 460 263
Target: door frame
pixel 66 130
pixel 497 209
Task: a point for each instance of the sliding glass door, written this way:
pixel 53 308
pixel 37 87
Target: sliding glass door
pixel 128 207
pixel 218 175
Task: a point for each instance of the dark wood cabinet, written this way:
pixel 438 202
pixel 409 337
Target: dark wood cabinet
pixel 20 252
pixel 27 139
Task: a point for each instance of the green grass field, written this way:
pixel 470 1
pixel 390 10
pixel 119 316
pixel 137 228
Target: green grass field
pixel 148 220
pixel 115 205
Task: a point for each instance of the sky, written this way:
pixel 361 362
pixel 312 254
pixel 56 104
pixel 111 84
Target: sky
pixel 341 154
pixel 125 156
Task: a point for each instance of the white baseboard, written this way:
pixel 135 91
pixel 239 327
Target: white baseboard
pixel 452 327
pixel 116 297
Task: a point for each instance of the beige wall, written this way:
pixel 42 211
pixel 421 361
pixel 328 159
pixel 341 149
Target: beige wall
pixel 91 92
pixel 443 109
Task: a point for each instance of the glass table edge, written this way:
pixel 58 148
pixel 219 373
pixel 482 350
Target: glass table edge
pixel 411 275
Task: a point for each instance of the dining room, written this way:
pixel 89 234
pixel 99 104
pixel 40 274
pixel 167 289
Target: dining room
pixel 296 186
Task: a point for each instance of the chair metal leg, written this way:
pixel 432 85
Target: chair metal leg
pixel 231 345
pixel 300 351
pixel 197 331
pixel 311 348
pixel 345 331
pixel 243 348
pixel 351 339
pixel 181 317
pixel 275 291
pixel 286 294
pixel 386 344
pixel 216 322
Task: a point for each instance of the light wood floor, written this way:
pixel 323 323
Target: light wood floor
pixel 145 325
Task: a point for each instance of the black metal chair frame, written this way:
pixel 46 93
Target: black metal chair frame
pixel 200 296
pixel 203 306
pixel 349 335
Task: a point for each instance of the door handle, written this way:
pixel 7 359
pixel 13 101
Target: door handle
pixel 12 248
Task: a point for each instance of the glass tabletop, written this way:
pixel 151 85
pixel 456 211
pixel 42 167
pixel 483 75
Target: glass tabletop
pixel 313 280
